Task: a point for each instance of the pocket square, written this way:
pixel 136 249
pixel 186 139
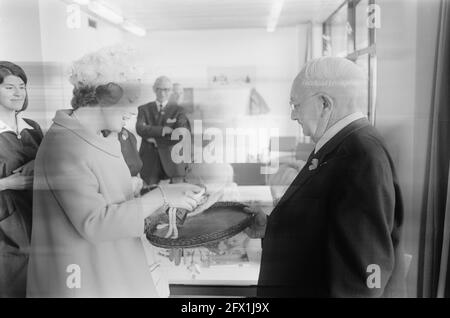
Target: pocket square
pixel 171 120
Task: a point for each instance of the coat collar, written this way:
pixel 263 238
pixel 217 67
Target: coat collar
pixel 110 146
pixel 316 160
pixel 331 145
pixel 21 125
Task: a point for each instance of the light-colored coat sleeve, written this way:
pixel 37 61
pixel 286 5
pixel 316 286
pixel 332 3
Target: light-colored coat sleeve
pixel 77 190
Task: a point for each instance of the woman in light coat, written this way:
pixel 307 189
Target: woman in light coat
pixel 87 219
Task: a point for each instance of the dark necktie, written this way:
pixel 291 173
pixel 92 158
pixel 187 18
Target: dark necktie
pixel 160 114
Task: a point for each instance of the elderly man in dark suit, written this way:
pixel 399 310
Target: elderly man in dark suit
pixel 155 123
pixel 336 232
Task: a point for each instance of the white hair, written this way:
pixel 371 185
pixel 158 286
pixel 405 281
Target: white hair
pixel 113 64
pixel 162 79
pixel 331 72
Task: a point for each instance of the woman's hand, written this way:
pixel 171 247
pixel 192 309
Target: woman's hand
pixel 137 184
pixel 181 195
pixel 26 170
pixel 258 228
pixel 16 181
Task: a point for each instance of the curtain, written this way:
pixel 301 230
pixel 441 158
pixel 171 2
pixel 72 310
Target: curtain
pixel 434 247
pixel 444 275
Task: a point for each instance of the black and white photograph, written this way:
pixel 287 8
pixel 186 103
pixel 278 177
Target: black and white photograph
pixel 250 150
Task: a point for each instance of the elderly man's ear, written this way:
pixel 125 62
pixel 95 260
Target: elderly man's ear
pixel 327 101
pixel 328 105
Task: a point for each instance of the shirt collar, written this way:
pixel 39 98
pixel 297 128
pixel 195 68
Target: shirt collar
pixel 337 127
pixel 21 125
pixel 161 105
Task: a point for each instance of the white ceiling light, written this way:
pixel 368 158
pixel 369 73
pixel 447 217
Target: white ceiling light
pixel 275 12
pixel 106 13
pixel 81 2
pixel 133 28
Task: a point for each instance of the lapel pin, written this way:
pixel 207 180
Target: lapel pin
pixel 314 164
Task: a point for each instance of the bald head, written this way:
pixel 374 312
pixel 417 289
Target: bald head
pixel 339 78
pixel 325 91
pixel 162 89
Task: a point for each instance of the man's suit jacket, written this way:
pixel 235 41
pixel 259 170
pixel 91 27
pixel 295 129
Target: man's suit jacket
pixel 339 222
pixel 149 124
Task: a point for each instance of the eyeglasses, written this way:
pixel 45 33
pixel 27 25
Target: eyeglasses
pixel 165 90
pixel 295 106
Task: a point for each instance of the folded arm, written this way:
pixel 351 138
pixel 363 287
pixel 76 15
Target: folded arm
pixel 146 130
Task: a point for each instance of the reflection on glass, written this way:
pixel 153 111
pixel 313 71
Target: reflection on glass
pixel 339 32
pixel 362 31
pixel 363 61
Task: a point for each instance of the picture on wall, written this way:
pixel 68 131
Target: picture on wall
pixel 231 76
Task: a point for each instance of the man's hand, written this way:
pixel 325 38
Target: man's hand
pixel 166 130
pixel 258 228
pixel 16 181
pixel 26 170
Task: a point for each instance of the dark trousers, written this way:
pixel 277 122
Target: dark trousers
pixel 152 170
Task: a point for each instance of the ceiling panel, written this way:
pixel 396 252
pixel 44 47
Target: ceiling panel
pixel 219 14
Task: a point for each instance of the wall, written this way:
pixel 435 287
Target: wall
pixel 61 45
pixel 186 57
pixel 21 39
pixel 38 39
pixel 406 45
pixel 21 44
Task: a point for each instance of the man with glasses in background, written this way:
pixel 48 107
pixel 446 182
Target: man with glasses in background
pixel 155 122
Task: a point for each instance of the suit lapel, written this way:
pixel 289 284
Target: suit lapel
pixel 334 142
pixel 324 154
pixel 153 109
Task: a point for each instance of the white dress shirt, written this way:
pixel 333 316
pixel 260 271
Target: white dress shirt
pixel 21 125
pixel 337 127
pixel 161 105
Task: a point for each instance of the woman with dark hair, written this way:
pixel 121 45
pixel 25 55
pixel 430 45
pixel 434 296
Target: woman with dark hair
pixel 87 222
pixel 19 141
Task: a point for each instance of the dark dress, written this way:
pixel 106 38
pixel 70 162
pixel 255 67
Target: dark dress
pixel 128 144
pixel 15 210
